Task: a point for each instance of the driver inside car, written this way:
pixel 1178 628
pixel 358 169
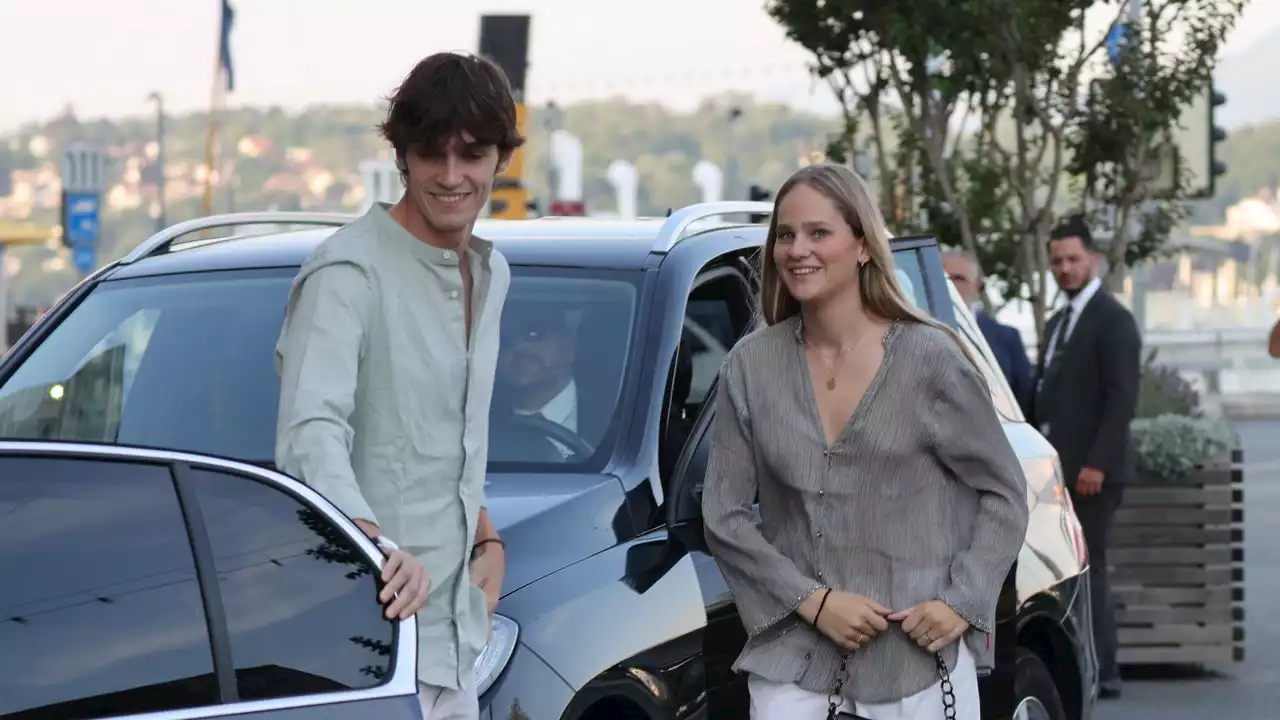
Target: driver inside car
pixel 535 369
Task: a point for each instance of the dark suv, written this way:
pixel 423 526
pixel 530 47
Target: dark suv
pixel 189 579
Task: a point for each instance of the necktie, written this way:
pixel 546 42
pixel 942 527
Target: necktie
pixel 1063 326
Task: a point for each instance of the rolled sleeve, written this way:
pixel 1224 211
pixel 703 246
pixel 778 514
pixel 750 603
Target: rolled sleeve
pixel 767 586
pixel 969 440
pixel 318 358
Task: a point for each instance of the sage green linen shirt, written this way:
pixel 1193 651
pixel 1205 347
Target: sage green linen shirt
pixel 384 408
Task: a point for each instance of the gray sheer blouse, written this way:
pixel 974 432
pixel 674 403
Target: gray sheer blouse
pixel 920 498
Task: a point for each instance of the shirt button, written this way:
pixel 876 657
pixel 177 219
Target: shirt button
pixel 447 255
pixel 819 533
pixel 821 493
pixel 453 294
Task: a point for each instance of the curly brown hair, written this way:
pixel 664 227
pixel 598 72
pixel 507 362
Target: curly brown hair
pixel 445 95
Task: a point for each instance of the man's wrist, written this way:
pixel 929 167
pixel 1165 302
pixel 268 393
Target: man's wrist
pixel 368 528
pixel 386 544
pixel 479 548
pixel 485 530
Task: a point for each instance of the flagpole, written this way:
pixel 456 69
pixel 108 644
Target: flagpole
pixel 211 137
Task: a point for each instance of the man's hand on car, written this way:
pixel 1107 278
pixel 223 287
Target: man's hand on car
pixel 406 583
pixel 488 564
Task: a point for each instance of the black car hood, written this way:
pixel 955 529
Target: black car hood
pixel 550 521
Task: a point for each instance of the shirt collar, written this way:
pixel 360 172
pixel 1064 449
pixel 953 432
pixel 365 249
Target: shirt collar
pixel 429 253
pixel 561 407
pixel 1086 294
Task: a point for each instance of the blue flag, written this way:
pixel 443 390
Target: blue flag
pixel 224 47
pixel 1115 43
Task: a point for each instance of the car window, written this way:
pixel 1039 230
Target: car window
pixel 708 332
pixel 300 597
pixel 908 267
pixel 187 362
pixel 907 271
pixel 100 611
pixel 718 311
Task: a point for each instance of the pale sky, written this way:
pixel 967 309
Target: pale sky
pixel 106 56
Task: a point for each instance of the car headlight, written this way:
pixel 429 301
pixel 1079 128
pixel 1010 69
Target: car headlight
pixel 497 653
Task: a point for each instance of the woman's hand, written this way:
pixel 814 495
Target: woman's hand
pixel 849 619
pixel 933 624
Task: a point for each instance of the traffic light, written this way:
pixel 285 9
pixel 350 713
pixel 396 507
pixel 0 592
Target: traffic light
pixel 1216 135
pixel 756 193
pixel 1197 138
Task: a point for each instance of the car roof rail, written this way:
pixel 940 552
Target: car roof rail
pixel 676 225
pixel 163 239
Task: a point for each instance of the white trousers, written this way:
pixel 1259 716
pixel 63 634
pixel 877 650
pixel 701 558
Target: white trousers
pixel 785 701
pixel 444 704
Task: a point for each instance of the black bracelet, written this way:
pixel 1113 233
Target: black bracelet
pixel 486 541
pixel 820 606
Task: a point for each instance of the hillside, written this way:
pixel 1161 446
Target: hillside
pixel 309 160
pixel 1245 79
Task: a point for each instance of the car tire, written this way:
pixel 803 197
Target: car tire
pixel 1035 689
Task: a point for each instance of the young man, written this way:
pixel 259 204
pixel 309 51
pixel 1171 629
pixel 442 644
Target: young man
pixel 1087 378
pixel 387 361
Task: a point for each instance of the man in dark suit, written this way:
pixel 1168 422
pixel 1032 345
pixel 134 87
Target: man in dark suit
pixel 1005 341
pixel 1087 376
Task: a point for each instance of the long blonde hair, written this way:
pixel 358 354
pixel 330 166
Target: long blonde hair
pixel 878 285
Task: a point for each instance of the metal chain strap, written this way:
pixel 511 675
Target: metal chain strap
pixel 834 699
pixel 948 691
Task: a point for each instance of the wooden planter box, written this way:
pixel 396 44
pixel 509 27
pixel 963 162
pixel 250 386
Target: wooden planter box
pixel 1177 559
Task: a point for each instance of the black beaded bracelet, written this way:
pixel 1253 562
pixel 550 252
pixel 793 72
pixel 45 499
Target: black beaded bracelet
pixel 486 541
pixel 821 605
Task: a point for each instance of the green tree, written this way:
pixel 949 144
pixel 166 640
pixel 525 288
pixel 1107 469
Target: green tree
pixel 952 76
pixel 991 111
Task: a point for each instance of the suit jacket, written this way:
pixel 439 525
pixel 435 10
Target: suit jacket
pixel 1087 395
pixel 1006 345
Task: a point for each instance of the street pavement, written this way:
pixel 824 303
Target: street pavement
pixel 1249 690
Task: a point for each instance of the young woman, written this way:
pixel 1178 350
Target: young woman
pixel 891 505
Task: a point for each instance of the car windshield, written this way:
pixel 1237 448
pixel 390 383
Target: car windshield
pixel 187 362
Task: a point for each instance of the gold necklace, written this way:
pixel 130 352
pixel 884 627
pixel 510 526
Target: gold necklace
pixel 834 366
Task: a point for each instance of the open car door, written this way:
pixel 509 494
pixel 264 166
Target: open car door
pixel 140 581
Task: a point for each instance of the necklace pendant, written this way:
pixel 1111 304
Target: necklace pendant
pixel 831 384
